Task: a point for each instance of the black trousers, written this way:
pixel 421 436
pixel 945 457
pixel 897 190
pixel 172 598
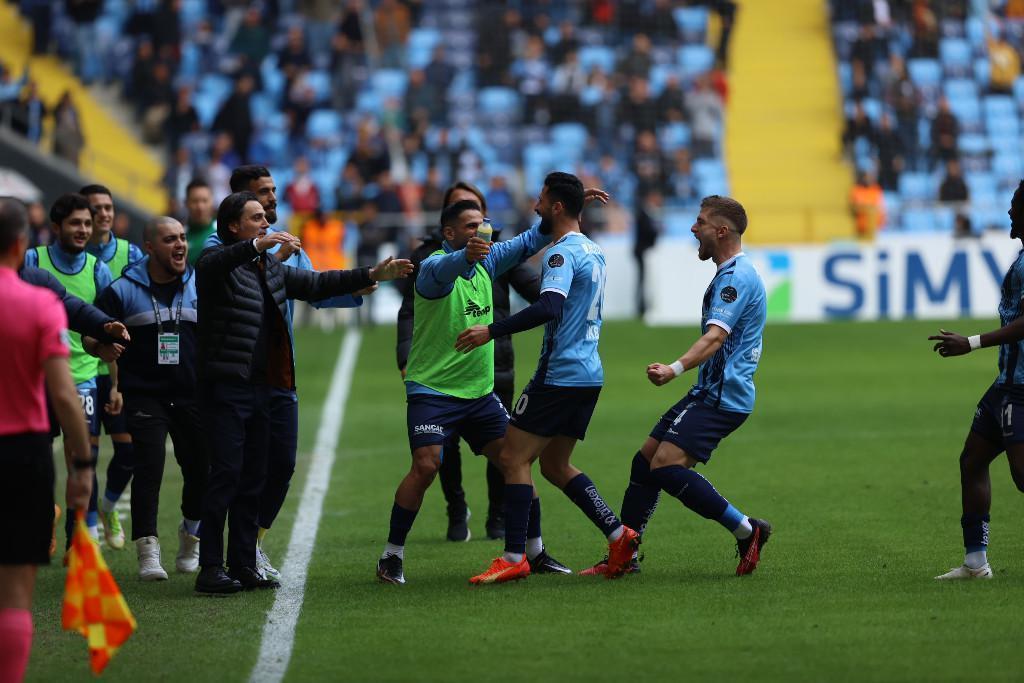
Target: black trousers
pixel 284 442
pixel 236 424
pixel 150 420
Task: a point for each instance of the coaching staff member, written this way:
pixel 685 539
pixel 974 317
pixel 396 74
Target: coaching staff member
pixel 244 353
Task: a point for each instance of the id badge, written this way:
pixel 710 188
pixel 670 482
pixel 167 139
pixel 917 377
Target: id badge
pixel 167 349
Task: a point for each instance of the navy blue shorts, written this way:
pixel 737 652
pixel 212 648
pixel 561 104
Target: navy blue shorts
pixel 696 427
pixel 112 424
pixel 90 406
pixel 432 419
pixel 547 410
pixel 999 418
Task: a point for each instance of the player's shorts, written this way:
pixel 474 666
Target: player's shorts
pixel 90 406
pixel 697 428
pixel 26 498
pixel 999 418
pixel 547 410
pixel 112 424
pixel 432 419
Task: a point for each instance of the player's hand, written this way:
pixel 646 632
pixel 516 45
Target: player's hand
pixel 403 373
pixel 595 193
pixel 117 330
pixel 287 249
pixel 79 488
pixel 477 250
pixel 108 353
pixel 660 374
pixel 271 238
pixel 950 343
pixel 116 403
pixel 391 268
pixel 367 290
pixel 475 336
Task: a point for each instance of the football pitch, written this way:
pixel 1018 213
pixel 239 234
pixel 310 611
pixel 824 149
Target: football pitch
pixel 851 453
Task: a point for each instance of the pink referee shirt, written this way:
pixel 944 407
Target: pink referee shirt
pixel 33 328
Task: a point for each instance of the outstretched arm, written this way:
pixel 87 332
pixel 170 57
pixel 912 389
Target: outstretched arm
pixel 702 349
pixel 547 307
pixel 952 344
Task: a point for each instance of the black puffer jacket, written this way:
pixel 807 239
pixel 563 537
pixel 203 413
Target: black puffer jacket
pixel 231 302
pixel 522 278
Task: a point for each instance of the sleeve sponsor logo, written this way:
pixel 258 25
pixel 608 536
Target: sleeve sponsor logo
pixel 729 294
pixel 556 261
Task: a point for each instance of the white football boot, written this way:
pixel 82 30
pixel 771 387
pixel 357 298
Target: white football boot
pixel 965 572
pixel 187 559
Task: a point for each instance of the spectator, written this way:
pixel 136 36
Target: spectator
pixel 432 195
pixel 300 101
pixel 68 139
pixel 348 57
pixel 858 127
pixel 157 101
pixel 302 193
pixel 392 23
pixel 439 72
pixel 40 231
pixel 200 222
pixel 962 228
pixel 648 226
pixel 638 111
pixel 179 174
pixel 323 240
pixel 143 65
pixel 422 104
pixel 500 25
pixel 294 57
pixel 680 182
pixel 320 17
pixel 671 103
pixel 251 42
pixel 705 108
pixel 370 155
pixel 905 100
pixel 953 187
pixel 235 115
pixel 890 154
pixel 83 14
pixel 531 73
pixel 218 170
pixel 867 206
pixel 648 163
pixel 925 31
pixel 351 190
pixel 638 61
pixel 502 204
pixel 29 114
pixel 866 50
pixel 182 119
pixel 566 42
pixel 1004 65
pixel 944 134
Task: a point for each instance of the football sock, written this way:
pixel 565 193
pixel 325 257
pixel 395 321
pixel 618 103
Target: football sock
pixel 975 528
pixel 693 490
pixel 513 558
pixel 641 498
pixel 392 549
pixel 736 522
pixel 534 542
pixel 534 547
pixel 401 523
pixel 583 492
pixel 518 500
pixel 15 642
pixel 108 502
pixel 191 526
pixel 119 471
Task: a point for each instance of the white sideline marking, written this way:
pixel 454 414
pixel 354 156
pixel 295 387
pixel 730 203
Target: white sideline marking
pixel 279 631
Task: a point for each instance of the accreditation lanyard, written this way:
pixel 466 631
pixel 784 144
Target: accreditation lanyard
pixel 168 345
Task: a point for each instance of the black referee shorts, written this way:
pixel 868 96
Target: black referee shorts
pixel 26 497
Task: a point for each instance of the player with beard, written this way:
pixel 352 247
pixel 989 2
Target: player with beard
pixel 1000 412
pixel 84 276
pixel 118 254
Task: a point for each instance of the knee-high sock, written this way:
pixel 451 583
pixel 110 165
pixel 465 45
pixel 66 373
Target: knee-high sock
pixel 401 523
pixel 641 497
pixel 518 498
pixel 15 643
pixel 975 528
pixel 699 495
pixel 583 492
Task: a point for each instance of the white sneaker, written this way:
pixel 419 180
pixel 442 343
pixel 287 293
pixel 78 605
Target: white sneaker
pixel 187 559
pixel 965 572
pixel 263 565
pixel 148 549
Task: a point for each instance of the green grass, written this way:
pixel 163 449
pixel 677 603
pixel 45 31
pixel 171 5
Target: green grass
pixel 851 453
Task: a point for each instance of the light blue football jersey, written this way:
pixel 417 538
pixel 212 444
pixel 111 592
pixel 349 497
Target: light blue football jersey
pixel 1011 307
pixel 573 266
pixel 735 301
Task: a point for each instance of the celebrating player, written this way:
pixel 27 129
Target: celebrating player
pixel 727 353
pixel 999 412
pixel 556 406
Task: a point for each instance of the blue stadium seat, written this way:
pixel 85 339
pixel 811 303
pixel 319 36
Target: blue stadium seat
pixel 368 102
pixel 1018 90
pixel 968 111
pixel 206 106
pixel 320 81
pixel 981 72
pixel 599 56
pixel 989 218
pixel 708 168
pixel 1002 105
pixel 695 59
pixel 955 54
pixel 425 38
pixel 262 106
pixel 496 100
pixel 924 73
pixel 960 88
pixel 569 135
pixel 324 124
pixel 658 77
pixel 1007 166
pixel 973 145
pixel 191 13
pixel 272 77
pixel 216 85
pixel 389 82
pixel 975 28
pixel 939 219
pixel 915 185
pixel 1001 128
pixel 845 78
pixel 673 136
pixel 982 187
pixel 692 22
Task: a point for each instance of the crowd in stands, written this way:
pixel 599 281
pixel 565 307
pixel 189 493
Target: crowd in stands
pixel 371 107
pixel 25 113
pixel 932 92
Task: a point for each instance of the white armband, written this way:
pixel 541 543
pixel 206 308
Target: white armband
pixel 677 368
pixel 975 342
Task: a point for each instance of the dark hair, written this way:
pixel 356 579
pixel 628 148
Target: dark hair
pixel 67 204
pixel 243 175
pixel 152 228
pixel 13 221
pixel 565 188
pixel 452 213
pixel 95 189
pixel 195 184
pixel 230 211
pixel 468 187
pixel 728 209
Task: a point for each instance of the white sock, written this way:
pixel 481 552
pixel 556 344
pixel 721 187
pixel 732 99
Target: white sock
pixel 390 549
pixel 513 558
pixel 94 531
pixel 534 547
pixel 744 529
pixel 977 559
pixel 616 535
pixel 107 505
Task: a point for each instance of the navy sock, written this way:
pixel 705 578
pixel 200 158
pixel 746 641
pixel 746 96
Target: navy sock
pixel 518 500
pixel 975 528
pixel 119 471
pixel 401 523
pixel 693 490
pixel 533 526
pixel 583 492
pixel 641 498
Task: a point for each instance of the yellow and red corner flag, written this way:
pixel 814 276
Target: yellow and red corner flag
pixel 93 604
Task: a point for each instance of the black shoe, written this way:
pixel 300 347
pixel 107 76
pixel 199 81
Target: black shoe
pixel 250 578
pixel 389 570
pixel 545 564
pixel 749 548
pixel 458 525
pixel 495 527
pixel 215 581
pixel 601 567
